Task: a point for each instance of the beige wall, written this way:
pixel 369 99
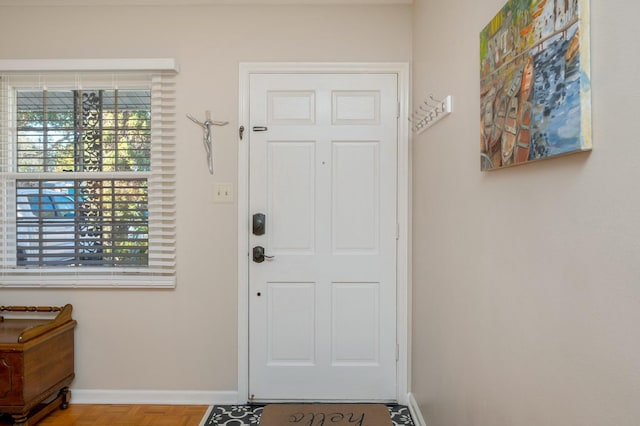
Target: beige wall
pixel 526 291
pixel 185 339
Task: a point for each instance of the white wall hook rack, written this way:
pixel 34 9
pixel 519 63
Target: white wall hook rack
pixel 430 112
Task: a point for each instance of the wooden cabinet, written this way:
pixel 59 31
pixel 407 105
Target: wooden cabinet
pixel 36 364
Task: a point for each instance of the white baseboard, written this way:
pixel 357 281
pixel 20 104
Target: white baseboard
pixel 179 397
pixel 415 411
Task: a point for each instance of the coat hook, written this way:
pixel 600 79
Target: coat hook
pixel 427 103
pixel 434 99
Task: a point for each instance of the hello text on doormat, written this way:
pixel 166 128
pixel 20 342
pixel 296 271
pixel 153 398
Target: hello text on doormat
pixel 326 415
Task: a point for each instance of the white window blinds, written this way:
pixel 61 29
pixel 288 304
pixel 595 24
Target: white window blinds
pixel 87 178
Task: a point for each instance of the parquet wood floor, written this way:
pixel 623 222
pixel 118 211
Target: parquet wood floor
pixel 122 415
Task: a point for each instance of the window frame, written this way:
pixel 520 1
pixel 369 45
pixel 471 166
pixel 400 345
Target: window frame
pixel 157 75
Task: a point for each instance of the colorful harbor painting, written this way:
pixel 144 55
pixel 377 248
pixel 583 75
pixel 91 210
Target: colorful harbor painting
pixel 535 82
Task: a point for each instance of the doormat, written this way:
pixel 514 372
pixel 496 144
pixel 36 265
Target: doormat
pixel 325 415
pixel 249 415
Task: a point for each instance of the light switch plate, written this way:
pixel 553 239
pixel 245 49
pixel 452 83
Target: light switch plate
pixel 223 192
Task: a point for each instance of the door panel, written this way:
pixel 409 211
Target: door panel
pixel 356 324
pixel 291 201
pixel 322 310
pixel 291 107
pixel 291 302
pixel 356 187
pixel 351 107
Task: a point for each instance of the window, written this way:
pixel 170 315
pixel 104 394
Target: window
pixel 87 179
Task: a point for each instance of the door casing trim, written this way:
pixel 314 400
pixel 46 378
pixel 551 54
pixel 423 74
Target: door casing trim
pixel 403 205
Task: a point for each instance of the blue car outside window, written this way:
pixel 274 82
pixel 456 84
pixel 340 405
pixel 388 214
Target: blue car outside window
pixel 41 206
pixel 54 206
pixel 63 205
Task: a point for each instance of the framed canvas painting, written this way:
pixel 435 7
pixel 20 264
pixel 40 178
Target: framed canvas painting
pixel 535 82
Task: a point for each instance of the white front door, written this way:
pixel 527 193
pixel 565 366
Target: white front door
pixel 323 171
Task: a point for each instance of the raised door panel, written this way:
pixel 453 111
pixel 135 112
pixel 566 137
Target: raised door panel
pixel 355 107
pixel 291 189
pixel 291 107
pixel 291 324
pixel 355 199
pixel 355 324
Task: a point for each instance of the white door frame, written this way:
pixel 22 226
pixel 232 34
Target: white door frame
pixel 403 276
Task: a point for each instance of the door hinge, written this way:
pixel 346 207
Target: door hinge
pixel 397 231
pixel 398 111
pixel 397 352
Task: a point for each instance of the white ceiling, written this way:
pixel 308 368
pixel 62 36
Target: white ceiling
pixel 192 2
